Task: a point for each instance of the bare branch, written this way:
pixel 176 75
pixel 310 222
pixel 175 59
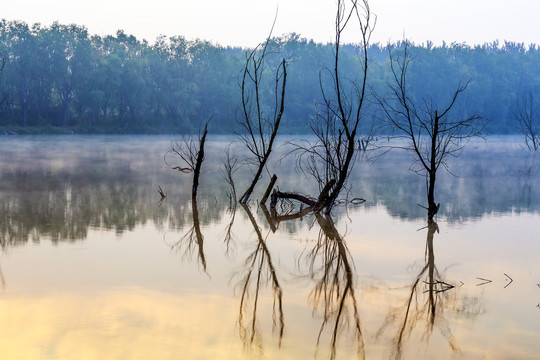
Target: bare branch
pixel 433 135
pixel 258 131
pixel 529 121
pixel 333 154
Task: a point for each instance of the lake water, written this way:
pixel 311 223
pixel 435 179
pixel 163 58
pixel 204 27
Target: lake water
pixel 94 266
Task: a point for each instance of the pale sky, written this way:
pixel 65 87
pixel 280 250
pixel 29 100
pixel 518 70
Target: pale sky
pixel 247 22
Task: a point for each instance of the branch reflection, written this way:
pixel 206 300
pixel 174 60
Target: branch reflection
pixel 229 236
pixel 331 264
pixel 274 219
pixel 259 272
pixel 429 297
pixel 193 240
pixel 527 189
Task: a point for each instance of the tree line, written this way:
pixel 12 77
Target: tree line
pixel 60 76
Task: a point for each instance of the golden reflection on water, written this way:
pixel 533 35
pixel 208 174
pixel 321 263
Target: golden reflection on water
pixel 136 323
pixel 128 323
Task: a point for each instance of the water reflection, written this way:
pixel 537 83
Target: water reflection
pixel 259 271
pixel 528 181
pixel 303 285
pixel 62 204
pixel 332 268
pixel 328 264
pixel 70 187
pixel 228 237
pixel 193 240
pixel 274 219
pixel 499 177
pixel 2 279
pixel 429 297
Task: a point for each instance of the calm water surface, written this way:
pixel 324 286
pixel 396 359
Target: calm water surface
pixel 93 266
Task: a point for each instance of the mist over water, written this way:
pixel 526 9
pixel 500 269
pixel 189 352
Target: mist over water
pixel 95 266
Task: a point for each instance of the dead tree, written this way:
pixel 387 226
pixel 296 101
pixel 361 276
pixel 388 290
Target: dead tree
pixel 331 157
pixel 529 121
pixel 191 151
pixel 431 134
pixel 258 128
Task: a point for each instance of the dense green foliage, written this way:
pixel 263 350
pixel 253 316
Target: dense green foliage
pixel 61 76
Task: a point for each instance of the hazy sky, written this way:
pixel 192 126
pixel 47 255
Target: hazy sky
pixel 247 22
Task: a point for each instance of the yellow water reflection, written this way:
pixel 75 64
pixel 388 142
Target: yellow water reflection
pixel 138 323
pixel 129 323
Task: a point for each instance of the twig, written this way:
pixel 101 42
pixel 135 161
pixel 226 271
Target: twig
pixel 485 281
pixel 511 280
pixel 162 194
pixel 185 170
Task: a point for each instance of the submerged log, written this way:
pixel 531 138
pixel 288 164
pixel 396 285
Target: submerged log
pixel 276 195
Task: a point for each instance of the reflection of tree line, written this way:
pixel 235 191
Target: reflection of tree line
pixel 485 182
pixel 63 205
pixel 495 183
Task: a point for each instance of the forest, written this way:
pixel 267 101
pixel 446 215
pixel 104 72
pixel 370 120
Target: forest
pixel 60 78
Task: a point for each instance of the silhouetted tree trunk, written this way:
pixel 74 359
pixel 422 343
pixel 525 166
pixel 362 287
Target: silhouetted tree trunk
pixel 432 207
pixel 192 153
pixel 198 163
pixel 269 189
